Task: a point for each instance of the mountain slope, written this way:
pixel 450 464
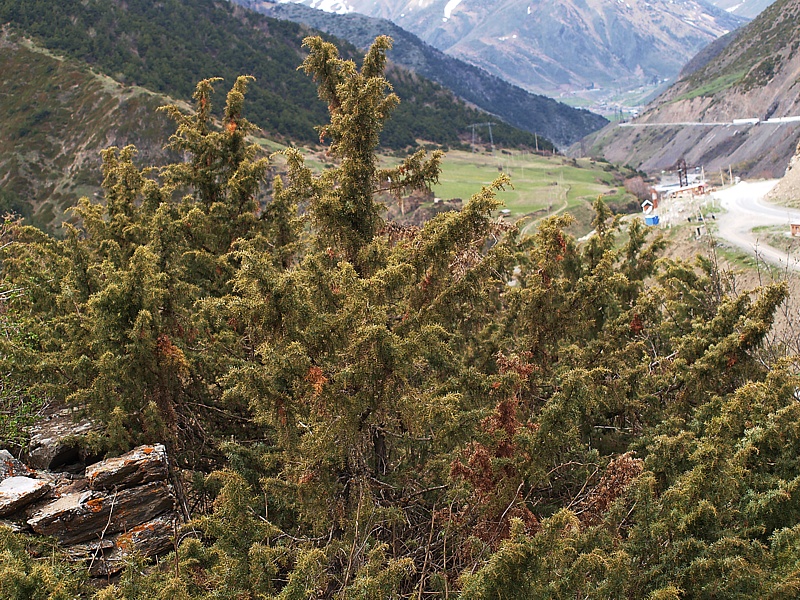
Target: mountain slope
pixel 557 46
pixel 170 45
pixel 755 76
pixel 54 122
pixel 537 114
pixel 787 191
pixel 749 9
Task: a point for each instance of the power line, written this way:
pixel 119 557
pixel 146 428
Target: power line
pixel 475 126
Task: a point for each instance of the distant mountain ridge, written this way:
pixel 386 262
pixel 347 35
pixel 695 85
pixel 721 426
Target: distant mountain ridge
pixel 743 8
pixel 535 113
pixel 753 74
pixel 554 46
pixel 169 46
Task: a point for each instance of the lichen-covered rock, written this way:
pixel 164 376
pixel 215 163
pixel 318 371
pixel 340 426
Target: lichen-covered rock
pixel 100 514
pixel 148 539
pixel 89 515
pixel 139 466
pixel 11 467
pixel 56 440
pixel 18 492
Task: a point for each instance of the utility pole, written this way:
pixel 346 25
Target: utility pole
pixel 474 127
pixel 683 175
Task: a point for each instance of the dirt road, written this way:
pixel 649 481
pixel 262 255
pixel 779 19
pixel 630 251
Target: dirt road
pixel 746 210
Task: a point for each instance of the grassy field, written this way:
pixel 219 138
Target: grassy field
pixel 540 183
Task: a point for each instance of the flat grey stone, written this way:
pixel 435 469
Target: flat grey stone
pixel 17 492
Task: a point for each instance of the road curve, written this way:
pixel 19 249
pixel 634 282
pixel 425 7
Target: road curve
pixel 745 210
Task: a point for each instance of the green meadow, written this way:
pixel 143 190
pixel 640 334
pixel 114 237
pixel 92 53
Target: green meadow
pixel 540 185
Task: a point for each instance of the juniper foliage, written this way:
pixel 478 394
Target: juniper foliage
pixel 455 410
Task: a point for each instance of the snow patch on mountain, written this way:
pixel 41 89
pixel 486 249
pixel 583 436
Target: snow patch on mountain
pixel 332 6
pixel 449 7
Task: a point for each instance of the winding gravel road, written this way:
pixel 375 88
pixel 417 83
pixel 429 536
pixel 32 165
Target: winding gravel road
pixel 746 210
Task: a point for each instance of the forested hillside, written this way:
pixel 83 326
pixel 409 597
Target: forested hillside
pixel 168 46
pixel 54 121
pixel 362 410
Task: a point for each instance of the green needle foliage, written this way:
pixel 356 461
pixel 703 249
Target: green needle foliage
pixel 454 410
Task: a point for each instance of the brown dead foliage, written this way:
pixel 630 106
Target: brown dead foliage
pixel 619 475
pixel 492 467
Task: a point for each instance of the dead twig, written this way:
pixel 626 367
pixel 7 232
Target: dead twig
pixel 105 529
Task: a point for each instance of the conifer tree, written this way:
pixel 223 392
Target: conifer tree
pixel 116 297
pixel 345 212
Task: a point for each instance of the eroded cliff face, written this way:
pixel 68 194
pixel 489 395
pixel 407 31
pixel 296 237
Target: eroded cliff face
pixel 787 191
pixel 756 77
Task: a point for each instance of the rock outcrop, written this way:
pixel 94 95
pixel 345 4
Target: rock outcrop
pixel 11 467
pixel 83 516
pixel 55 441
pixel 18 492
pixel 118 506
pixel 145 464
